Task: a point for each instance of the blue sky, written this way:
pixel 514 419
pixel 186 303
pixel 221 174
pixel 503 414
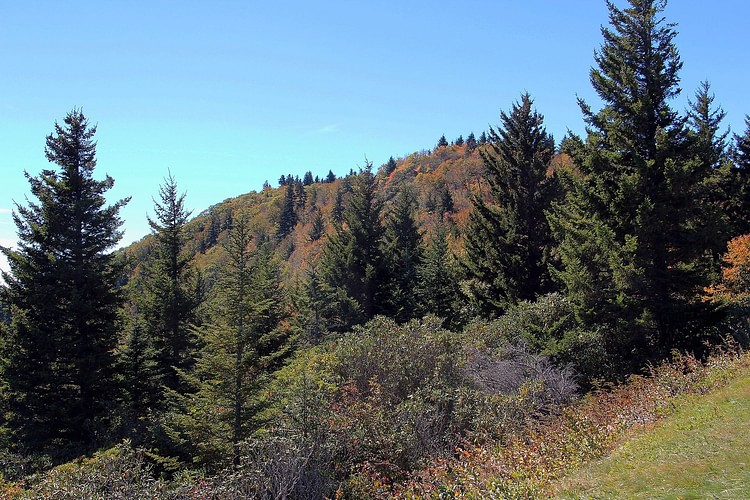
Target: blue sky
pixel 228 94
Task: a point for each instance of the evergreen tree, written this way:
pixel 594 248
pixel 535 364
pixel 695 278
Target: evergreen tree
pixel 308 178
pixel 713 169
pixel 318 226
pixel 321 305
pixel 403 252
pixel 300 197
pixel 446 201
pixel 508 241
pixel 471 143
pixel 634 212
pixel 352 265
pixel 483 138
pixel 330 177
pixel 57 362
pixel 442 142
pixel 337 213
pixel 459 141
pixel 437 285
pixel 243 344
pixel 139 373
pixel 172 290
pixel 288 216
pixel 390 167
pixel 738 189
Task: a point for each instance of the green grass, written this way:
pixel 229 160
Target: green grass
pixel 702 450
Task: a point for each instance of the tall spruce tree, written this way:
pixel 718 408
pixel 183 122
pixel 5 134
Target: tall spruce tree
pixel 288 215
pixel 738 189
pixel 508 241
pixel 403 252
pixel 242 344
pixel 352 264
pixel 634 211
pixel 58 362
pixel 437 284
pixel 172 289
pixel 714 171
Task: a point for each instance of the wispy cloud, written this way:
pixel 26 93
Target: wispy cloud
pixel 328 129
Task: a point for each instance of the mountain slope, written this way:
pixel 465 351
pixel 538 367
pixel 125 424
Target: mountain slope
pixel 454 170
pixel 701 451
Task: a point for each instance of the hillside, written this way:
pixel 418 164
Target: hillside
pixel 700 451
pixel 456 170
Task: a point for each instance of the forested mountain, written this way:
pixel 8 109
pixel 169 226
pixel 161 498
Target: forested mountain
pixel 442 179
pixel 333 336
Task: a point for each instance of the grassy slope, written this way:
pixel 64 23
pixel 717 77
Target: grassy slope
pixel 700 451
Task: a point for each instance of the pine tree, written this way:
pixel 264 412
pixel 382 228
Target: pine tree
pixel 318 228
pixel 442 142
pixel 58 363
pixel 352 265
pixel 483 138
pixel 738 190
pixel 337 212
pixel 171 289
pixel 508 241
pixel 713 168
pixel 459 141
pixel 138 370
pixel 242 345
pixel 471 143
pixel 330 177
pixel 300 197
pixel 288 216
pixel 437 285
pixel 629 226
pixel 446 201
pixel 403 252
pixel 390 167
pixel 308 178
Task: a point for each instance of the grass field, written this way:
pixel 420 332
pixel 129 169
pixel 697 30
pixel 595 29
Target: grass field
pixel 702 450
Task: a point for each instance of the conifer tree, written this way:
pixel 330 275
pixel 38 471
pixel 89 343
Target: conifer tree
pixel 352 265
pixel 390 167
pixel 318 228
pixel 242 344
pixel 288 216
pixel 459 141
pixel 471 143
pixel 508 241
pixel 172 290
pixel 634 211
pixel 57 362
pixel 713 169
pixel 437 285
pixel 446 201
pixel 300 197
pixel 442 142
pixel 308 178
pixel 403 252
pixel 738 190
pixel 138 370
pixel 330 177
pixel 337 213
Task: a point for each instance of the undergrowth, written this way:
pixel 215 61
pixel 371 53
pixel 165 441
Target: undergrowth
pixel 551 447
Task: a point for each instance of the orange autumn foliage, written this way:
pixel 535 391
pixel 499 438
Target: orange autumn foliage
pixel 735 279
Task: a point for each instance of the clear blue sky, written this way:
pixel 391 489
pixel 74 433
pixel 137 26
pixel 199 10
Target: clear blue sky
pixel 228 94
